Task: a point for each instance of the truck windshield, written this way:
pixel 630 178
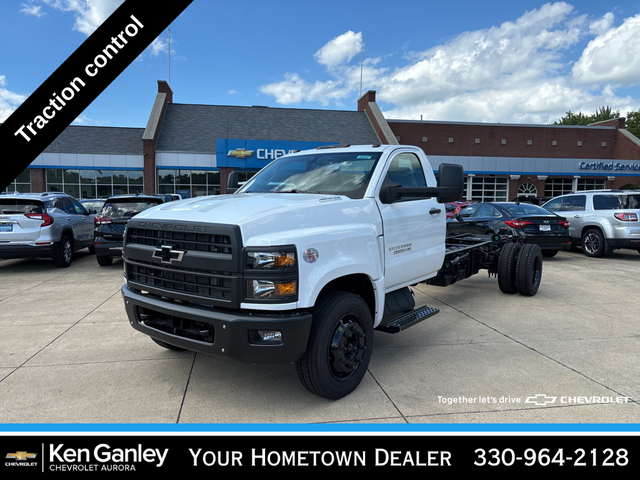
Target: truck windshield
pixel 323 172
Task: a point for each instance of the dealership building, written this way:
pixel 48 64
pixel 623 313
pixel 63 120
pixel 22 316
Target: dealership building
pixel 190 149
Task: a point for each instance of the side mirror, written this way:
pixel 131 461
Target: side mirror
pixel 450 182
pixel 232 182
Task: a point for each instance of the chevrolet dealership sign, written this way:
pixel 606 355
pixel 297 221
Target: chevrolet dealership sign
pixel 255 154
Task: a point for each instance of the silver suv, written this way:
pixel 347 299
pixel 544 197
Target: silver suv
pixel 50 224
pixel 601 220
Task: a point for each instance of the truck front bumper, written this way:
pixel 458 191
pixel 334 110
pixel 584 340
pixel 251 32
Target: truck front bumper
pixel 253 337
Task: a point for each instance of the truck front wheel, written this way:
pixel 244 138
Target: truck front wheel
pixel 339 347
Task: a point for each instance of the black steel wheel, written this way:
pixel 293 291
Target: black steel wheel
pixel 529 269
pixel 339 346
pixel 507 267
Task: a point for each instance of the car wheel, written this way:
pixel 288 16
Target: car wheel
pixel 340 344
pixel 529 269
pixel 549 253
pixel 65 255
pixel 104 260
pixel 507 267
pixel 168 346
pixel 593 244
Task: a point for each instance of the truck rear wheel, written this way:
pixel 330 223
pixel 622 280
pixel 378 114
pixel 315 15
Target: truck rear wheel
pixel 339 347
pixel 529 269
pixel 507 267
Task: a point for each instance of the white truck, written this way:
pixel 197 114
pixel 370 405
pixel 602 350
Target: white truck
pixel 307 259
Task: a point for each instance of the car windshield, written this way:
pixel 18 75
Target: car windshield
pixel 10 206
pixel 127 208
pixel 335 173
pixel 516 209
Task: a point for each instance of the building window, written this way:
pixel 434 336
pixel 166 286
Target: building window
pixel 557 186
pixel 477 140
pixel 424 139
pixel 604 144
pixel 529 142
pixel 81 183
pixel 554 142
pixel 189 183
pixel 579 143
pixel 504 141
pixel 21 184
pixel 450 139
pixel 527 190
pixel 590 184
pixel 488 189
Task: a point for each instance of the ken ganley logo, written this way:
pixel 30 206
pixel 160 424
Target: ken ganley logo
pixel 103 458
pixel 20 459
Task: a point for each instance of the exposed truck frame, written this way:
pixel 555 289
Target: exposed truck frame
pixel 287 275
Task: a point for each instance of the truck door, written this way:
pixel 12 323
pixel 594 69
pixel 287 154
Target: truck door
pixel 414 228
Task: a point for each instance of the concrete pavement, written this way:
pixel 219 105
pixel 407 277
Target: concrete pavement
pixel 568 355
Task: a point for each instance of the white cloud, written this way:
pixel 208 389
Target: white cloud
pixel 9 100
pixel 612 57
pixel 32 9
pixel 520 71
pixel 340 50
pixel 89 14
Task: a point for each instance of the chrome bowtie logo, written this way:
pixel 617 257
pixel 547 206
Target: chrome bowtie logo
pixel 240 153
pixel 167 254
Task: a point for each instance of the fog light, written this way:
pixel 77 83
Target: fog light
pixel 265 337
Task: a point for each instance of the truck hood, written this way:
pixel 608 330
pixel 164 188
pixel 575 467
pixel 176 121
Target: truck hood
pixel 274 218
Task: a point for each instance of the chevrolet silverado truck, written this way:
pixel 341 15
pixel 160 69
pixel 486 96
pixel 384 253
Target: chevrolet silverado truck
pixel 309 257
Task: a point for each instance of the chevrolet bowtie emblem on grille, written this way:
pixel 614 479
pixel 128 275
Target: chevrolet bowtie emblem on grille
pixel 240 153
pixel 167 254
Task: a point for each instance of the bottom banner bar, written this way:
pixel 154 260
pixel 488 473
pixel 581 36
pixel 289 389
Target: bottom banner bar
pixel 407 453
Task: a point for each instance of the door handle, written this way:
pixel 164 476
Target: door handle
pixel 433 211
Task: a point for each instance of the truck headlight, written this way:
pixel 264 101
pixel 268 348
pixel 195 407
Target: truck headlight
pixel 268 289
pixel 270 260
pixel 271 274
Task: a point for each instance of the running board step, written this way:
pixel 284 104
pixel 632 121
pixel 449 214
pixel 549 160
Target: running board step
pixel 408 319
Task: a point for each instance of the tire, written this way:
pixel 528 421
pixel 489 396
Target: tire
pixel 549 253
pixel 168 346
pixel 340 344
pixel 65 256
pixel 593 243
pixel 104 260
pixel 507 267
pixel 529 269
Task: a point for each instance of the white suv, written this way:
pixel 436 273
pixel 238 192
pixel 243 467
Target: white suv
pixel 45 224
pixel 601 220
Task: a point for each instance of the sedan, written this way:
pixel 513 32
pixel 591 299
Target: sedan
pixel 531 223
pixel 453 208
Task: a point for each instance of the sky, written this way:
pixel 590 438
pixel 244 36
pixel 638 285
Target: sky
pixel 514 61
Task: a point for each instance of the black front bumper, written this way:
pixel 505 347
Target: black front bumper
pixel 226 333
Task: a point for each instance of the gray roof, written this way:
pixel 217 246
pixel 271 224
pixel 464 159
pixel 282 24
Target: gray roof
pixel 87 139
pixel 195 128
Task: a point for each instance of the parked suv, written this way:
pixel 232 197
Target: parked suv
pixel 112 220
pixel 49 224
pixel 601 220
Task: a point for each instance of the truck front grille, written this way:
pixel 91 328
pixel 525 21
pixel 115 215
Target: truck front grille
pixel 200 242
pixel 211 284
pixel 202 264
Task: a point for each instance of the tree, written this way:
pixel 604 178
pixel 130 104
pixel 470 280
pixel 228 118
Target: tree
pixel 632 123
pixel 603 113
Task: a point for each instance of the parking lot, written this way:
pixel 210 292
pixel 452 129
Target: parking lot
pixel 567 355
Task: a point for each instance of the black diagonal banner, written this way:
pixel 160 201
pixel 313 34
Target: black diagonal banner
pixel 80 79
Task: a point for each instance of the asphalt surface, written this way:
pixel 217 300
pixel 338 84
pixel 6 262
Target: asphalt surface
pixel 568 355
